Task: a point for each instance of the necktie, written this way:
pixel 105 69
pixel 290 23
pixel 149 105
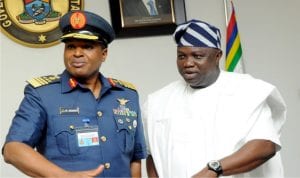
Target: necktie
pixel 152 8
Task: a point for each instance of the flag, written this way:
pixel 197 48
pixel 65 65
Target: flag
pixel 233 45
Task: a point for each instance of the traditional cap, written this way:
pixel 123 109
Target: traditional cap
pixel 86 25
pixel 197 33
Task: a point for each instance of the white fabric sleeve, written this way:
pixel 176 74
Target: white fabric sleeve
pixel 264 128
pixel 145 123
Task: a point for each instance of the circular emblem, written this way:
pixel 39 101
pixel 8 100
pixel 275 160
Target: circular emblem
pixel 34 23
pixel 78 20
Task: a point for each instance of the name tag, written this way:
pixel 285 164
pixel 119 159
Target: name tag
pixel 69 111
pixel 87 136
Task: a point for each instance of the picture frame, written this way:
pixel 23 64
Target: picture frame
pixel 130 18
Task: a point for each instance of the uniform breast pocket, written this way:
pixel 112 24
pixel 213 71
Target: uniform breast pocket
pixel 66 137
pixel 126 128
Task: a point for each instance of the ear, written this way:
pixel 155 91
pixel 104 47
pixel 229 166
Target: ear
pixel 219 55
pixel 104 54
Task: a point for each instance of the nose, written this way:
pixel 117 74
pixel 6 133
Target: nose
pixel 189 62
pixel 78 52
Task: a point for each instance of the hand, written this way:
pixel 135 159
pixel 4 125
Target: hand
pixel 86 174
pixel 205 173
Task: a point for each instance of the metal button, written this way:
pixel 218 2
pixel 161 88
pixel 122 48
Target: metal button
pixel 72 127
pixel 134 124
pixel 103 139
pixel 99 113
pixel 107 165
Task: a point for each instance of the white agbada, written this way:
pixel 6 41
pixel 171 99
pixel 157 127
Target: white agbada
pixel 185 128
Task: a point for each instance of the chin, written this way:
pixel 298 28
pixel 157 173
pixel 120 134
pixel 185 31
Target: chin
pixel 190 81
pixel 78 74
pixel 195 84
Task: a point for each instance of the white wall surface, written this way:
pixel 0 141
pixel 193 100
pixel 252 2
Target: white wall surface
pixel 270 35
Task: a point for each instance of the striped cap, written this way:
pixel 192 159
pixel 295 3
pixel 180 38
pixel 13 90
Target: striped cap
pixel 198 34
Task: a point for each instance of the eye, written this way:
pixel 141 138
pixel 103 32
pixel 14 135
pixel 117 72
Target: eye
pixel 70 46
pixel 198 56
pixel 181 56
pixel 88 46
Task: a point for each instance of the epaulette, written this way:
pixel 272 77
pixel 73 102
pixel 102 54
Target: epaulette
pixel 122 83
pixel 44 80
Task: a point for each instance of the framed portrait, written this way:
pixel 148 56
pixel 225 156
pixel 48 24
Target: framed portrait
pixel 136 18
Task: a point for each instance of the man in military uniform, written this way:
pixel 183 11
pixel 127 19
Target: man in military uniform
pixel 79 123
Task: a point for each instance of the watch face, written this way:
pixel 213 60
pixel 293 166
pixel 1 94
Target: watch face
pixel 214 164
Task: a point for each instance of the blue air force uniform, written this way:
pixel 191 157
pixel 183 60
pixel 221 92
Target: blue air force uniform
pixel 62 119
pixel 72 129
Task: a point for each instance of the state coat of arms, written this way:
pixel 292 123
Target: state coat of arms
pixel 34 23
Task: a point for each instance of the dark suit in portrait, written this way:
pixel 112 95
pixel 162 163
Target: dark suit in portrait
pixel 138 8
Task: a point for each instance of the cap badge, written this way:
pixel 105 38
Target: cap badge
pixel 78 20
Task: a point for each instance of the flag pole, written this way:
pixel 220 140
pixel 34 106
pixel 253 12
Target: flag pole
pixel 226 13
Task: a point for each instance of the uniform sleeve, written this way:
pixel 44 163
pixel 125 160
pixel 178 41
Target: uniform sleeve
pixel 140 151
pixel 29 121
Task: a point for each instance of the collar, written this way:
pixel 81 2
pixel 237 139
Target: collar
pixel 69 83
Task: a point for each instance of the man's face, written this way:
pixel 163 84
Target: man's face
pixel 198 66
pixel 83 58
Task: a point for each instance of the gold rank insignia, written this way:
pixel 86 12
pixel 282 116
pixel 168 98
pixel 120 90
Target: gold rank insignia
pixel 44 80
pixel 122 83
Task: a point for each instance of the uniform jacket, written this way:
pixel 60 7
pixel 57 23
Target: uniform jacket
pixel 65 123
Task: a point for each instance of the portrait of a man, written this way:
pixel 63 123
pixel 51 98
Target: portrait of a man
pixel 146 8
pixel 146 17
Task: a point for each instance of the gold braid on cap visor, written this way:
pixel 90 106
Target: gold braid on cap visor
pixel 81 35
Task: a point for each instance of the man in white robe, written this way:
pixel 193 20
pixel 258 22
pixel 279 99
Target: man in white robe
pixel 212 123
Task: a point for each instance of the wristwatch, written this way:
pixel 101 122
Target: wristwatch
pixel 215 166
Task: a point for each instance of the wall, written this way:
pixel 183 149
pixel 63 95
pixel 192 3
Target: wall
pixel 270 37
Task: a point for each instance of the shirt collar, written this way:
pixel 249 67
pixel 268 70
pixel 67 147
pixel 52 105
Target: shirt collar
pixel 68 83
